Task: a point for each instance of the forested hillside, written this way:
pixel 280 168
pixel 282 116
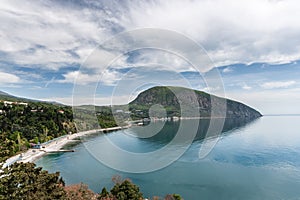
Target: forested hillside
pixel 22 123
pixel 175 99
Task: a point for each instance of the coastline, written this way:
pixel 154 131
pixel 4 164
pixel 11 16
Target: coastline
pixel 56 144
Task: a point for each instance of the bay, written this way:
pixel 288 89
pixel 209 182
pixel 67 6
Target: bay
pixel 251 160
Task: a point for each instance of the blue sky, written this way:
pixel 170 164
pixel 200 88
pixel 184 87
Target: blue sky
pixel 255 45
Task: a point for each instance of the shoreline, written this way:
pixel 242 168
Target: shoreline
pixel 56 144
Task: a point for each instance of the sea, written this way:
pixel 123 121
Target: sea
pixel 246 159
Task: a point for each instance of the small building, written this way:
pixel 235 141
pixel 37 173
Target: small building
pixel 23 104
pixel 8 103
pixel 140 124
pixel 36 146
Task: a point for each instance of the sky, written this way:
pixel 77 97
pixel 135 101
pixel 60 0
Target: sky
pixel 58 50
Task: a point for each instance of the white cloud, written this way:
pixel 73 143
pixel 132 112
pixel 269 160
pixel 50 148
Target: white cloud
pixel 54 34
pixel 270 101
pixel 8 78
pixel 227 70
pixel 100 59
pixel 49 34
pixel 117 100
pixel 79 78
pixel 231 31
pixel 210 90
pixel 157 57
pixel 246 87
pixel 277 84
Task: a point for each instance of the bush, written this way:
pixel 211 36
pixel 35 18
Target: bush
pixel 80 192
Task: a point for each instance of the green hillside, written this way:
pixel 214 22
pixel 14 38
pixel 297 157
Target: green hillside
pixel 175 99
pixel 24 121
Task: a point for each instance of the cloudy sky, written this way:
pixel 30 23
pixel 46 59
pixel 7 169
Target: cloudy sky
pixel 47 45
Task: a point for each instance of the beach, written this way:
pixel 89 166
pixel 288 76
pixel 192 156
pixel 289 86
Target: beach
pixel 54 146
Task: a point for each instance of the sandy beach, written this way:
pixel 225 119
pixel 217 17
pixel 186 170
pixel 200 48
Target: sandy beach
pixel 54 145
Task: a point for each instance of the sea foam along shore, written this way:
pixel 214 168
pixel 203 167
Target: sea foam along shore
pixel 54 145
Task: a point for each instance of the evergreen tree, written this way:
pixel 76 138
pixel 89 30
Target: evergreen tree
pixel 126 190
pixel 26 181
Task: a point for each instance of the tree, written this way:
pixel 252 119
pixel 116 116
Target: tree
pixel 173 197
pixel 126 190
pixel 26 181
pixel 104 194
pixel 80 192
pixel 122 190
pixel 177 197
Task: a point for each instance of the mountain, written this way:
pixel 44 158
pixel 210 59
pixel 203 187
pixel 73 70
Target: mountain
pixel 8 97
pixel 4 95
pixel 178 99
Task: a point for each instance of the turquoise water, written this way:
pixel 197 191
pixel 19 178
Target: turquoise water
pixel 257 160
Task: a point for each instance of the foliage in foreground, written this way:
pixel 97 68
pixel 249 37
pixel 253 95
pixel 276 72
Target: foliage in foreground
pixel 122 191
pixel 80 192
pixel 125 190
pixel 26 181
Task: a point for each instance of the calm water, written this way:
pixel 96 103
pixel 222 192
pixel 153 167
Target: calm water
pixel 259 160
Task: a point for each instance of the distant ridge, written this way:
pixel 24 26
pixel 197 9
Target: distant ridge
pixel 8 97
pixel 4 96
pixel 164 96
